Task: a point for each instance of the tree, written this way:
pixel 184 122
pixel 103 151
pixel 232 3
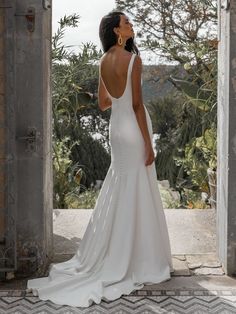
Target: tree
pixel 75 80
pixel 184 33
pixel 173 29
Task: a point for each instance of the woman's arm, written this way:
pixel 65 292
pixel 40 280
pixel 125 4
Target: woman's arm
pixel 139 109
pixel 104 101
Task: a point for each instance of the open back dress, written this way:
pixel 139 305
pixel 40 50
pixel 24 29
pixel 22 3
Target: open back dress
pixel 126 242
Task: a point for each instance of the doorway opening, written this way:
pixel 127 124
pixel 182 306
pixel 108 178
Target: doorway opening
pixel 192 217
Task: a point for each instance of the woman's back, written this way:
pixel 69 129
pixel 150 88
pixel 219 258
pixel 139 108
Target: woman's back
pixel 114 71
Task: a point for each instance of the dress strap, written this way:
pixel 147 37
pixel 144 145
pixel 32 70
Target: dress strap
pixel 131 63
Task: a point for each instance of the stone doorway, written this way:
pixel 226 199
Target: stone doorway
pixel 26 171
pixel 26 228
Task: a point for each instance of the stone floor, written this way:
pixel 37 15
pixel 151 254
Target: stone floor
pixel 192 236
pixel 198 285
pixel 192 231
pixel 182 295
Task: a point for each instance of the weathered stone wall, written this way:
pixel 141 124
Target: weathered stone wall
pixel 33 108
pixel 2 125
pixel 226 177
pixel 29 160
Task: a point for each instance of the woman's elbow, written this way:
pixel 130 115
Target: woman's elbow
pixel 104 104
pixel 101 106
pixel 137 105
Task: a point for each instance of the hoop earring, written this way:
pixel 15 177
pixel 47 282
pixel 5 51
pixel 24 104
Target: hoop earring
pixel 120 40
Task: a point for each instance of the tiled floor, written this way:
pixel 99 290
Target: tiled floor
pixel 198 285
pixel 180 295
pixel 143 301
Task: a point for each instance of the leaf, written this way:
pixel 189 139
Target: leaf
pixel 196 95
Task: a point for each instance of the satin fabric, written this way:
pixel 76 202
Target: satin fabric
pixel 126 243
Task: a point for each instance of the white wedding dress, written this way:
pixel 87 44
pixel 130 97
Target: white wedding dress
pixel 126 243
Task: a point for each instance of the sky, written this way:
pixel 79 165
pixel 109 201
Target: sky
pixel 91 13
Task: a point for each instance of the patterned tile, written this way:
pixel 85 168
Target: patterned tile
pixel 138 302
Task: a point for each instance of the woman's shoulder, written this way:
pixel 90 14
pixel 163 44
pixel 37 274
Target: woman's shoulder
pixel 125 57
pixel 102 57
pixel 124 54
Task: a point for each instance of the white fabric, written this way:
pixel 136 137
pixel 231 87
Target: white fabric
pixel 126 243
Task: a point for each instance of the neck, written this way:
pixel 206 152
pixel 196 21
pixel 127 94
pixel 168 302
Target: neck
pixel 120 46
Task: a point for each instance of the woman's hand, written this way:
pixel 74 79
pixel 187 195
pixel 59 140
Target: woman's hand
pixel 150 157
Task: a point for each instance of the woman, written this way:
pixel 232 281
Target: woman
pixel 126 242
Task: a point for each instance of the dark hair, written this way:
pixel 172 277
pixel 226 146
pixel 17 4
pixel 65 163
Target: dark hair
pixel 107 35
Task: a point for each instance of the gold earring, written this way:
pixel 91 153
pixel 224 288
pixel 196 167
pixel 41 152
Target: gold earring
pixel 120 40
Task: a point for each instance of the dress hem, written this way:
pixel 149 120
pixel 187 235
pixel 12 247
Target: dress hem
pixel 137 286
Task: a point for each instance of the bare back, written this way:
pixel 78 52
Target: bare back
pixel 113 71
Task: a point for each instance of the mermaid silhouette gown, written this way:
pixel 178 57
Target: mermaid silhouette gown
pixel 126 243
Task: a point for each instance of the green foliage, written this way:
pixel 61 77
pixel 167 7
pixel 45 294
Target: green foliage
pixel 208 145
pixel 201 150
pixel 85 200
pixel 67 174
pixel 166 116
pixel 167 198
pixel 192 199
pixel 173 30
pixel 94 158
pixel 59 51
pixel 184 150
pixel 185 33
pixel 200 154
pixel 74 102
